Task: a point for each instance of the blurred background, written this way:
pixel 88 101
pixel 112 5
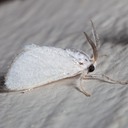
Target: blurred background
pixel 61 23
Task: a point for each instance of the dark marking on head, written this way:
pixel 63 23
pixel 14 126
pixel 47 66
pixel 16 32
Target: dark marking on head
pixel 80 63
pixel 86 60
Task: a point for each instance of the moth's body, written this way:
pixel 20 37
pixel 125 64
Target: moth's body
pixel 37 66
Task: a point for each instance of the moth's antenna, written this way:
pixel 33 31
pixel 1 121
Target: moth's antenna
pixel 95 35
pixel 95 52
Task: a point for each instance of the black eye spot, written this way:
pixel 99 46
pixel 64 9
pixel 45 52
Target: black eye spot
pixel 80 63
pixel 86 60
pixel 91 68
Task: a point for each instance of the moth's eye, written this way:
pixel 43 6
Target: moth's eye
pixel 80 63
pixel 91 68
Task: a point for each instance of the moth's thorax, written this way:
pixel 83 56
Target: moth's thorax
pixel 82 58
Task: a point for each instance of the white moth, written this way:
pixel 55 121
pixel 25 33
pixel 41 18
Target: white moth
pixel 37 66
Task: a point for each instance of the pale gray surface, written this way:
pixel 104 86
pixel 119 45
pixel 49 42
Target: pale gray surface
pixel 60 24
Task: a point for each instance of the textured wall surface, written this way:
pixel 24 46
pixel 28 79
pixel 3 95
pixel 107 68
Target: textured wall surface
pixel 60 23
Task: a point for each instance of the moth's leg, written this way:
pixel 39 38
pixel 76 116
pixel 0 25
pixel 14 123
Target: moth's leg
pixel 81 88
pixel 104 78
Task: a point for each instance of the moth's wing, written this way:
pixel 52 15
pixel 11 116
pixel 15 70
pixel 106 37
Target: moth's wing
pixel 37 66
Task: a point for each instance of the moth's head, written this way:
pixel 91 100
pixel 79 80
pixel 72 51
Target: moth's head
pixel 85 61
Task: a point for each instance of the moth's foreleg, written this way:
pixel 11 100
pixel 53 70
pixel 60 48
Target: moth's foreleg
pixel 81 88
pixel 104 78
